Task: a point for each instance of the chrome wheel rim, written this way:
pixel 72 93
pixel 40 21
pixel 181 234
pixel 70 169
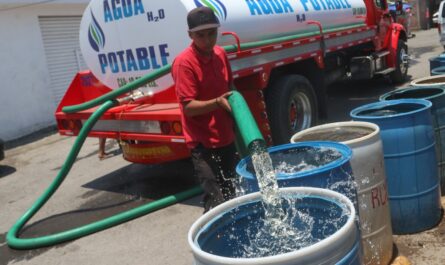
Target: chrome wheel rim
pixel 300 114
pixel 403 63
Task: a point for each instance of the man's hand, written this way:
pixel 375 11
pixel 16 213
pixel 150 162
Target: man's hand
pixel 197 107
pixel 223 102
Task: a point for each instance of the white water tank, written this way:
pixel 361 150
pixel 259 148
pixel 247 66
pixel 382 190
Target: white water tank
pixel 429 81
pixel 122 40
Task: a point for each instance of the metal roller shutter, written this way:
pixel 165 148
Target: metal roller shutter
pixel 60 36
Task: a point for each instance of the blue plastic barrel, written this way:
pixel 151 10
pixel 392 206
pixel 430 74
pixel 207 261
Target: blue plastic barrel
pixel 334 172
pixel 410 161
pixel 436 95
pixel 236 231
pixel 438 70
pixel 437 61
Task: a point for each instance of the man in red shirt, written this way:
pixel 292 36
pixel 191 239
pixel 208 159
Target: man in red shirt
pixel 202 76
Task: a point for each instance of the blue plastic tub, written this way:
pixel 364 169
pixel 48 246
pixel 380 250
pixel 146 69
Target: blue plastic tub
pixel 335 173
pixel 410 161
pixel 234 232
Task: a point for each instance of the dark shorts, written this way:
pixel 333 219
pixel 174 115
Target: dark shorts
pixel 215 169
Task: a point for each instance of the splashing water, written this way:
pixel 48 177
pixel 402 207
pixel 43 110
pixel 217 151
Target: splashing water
pixel 245 232
pixel 277 226
pixel 267 181
pixel 282 231
pixel 280 224
pixel 277 236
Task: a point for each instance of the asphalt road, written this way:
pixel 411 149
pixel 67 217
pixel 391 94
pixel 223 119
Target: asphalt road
pixel 95 189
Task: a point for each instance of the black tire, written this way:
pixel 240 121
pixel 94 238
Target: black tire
pixel 288 97
pixel 401 72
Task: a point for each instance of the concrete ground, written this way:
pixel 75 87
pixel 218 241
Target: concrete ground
pixel 95 189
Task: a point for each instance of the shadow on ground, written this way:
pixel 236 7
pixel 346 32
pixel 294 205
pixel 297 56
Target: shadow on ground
pixel 111 194
pixel 348 95
pixel 6 170
pixel 119 191
pixel 27 139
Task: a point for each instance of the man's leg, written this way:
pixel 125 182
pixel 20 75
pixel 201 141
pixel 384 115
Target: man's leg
pixel 202 163
pixel 102 153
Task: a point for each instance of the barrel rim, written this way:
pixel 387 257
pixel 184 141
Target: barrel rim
pixel 416 81
pixel 439 67
pixel 348 228
pixel 411 88
pixel 358 124
pixel 345 151
pixel 442 55
pixel 423 102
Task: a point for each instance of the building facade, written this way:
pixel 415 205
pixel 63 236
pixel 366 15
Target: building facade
pixel 422 12
pixel 39 51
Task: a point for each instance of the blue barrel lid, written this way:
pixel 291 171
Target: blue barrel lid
pixel 344 150
pixel 438 70
pixel 440 57
pixel 414 93
pixel 420 105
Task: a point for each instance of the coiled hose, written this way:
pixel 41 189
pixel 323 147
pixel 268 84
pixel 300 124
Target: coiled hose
pixel 107 102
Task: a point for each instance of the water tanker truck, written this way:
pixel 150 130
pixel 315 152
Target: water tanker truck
pixel 283 54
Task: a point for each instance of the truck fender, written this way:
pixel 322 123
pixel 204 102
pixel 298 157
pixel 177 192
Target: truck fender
pixel 397 32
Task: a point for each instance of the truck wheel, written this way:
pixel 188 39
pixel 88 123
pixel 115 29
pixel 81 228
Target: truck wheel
pixel 292 107
pixel 399 75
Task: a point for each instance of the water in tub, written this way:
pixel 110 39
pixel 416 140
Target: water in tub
pixel 277 232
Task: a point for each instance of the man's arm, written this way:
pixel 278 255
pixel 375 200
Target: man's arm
pixel 197 107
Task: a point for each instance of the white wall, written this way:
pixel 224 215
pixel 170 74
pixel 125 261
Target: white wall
pixel 26 102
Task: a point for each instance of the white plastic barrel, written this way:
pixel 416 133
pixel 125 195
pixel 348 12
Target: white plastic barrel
pixel 122 40
pixel 216 235
pixel 367 164
pixel 429 81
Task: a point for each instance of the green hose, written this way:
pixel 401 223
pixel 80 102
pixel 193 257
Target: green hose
pixel 247 128
pixel 249 133
pixel 118 92
pixel 31 243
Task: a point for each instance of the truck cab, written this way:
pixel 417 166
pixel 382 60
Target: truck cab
pixel 401 13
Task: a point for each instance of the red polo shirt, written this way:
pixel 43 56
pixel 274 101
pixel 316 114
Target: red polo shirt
pixel 199 77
